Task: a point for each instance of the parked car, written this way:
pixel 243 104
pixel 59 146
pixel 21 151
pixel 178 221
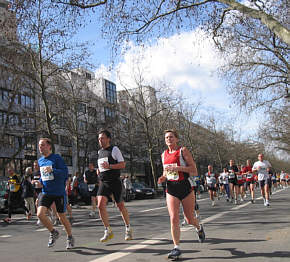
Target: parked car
pixel 142 191
pixel 3 193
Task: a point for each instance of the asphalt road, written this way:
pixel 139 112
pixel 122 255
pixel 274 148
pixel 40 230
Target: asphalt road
pixel 246 232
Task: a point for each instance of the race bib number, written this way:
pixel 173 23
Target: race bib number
pixel 249 175
pixel 239 177
pixel 101 161
pixel 12 187
pixel 91 187
pixel 171 175
pixel 231 175
pixel 45 176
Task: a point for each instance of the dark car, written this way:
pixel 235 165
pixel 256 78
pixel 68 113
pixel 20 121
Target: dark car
pixel 142 191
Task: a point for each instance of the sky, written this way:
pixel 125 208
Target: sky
pixel 187 62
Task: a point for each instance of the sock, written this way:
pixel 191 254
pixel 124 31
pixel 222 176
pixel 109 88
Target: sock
pixel 108 228
pixel 176 246
pixel 127 227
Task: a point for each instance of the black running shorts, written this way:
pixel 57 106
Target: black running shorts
pixel 47 200
pixel 180 189
pixel 114 188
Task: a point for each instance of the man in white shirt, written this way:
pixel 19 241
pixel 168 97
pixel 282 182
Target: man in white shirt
pixel 263 176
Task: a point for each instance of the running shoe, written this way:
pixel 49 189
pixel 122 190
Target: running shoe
pixel 174 254
pixel 267 203
pixel 107 236
pixel 53 236
pixel 7 220
pixel 92 214
pixel 70 242
pixel 56 222
pixel 212 203
pixel 38 222
pixel 253 201
pixel 200 234
pixel 183 223
pixel 128 234
pixel 236 202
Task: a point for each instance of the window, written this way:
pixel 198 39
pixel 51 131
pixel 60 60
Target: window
pixel 3 117
pixel 10 141
pixel 27 101
pixel 81 108
pixel 67 159
pixel 30 143
pixel 82 125
pixel 92 111
pixel 28 123
pixel 65 141
pixel 109 113
pixel 111 93
pixel 88 76
pixel 4 95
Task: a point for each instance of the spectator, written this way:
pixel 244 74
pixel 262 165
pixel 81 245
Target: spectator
pixel 128 186
pixel 15 199
pixel 28 192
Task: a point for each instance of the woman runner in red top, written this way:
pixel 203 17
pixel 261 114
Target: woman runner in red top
pixel 177 165
pixel 250 179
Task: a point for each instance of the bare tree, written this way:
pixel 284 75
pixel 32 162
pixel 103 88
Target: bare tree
pixel 142 16
pixel 152 107
pixel 44 36
pixel 277 129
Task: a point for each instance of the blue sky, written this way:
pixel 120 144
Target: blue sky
pixel 187 62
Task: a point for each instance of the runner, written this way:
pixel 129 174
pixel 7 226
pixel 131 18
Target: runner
pixel 211 183
pixel 233 170
pixel 54 174
pixel 270 181
pixel 37 184
pixel 225 181
pixel 261 168
pixel 110 162
pixel 241 179
pixel 15 199
pixel 247 171
pixel 177 165
pixel 91 179
pixel 283 179
pixel 274 181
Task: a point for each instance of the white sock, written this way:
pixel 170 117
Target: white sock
pixel 176 246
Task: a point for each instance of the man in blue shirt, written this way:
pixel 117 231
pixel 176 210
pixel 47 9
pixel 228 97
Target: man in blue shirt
pixel 54 174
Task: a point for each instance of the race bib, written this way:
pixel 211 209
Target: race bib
pixel 231 175
pixel 91 187
pixel 249 175
pixel 239 177
pixel 171 175
pixel 12 188
pixel 45 176
pixel 100 162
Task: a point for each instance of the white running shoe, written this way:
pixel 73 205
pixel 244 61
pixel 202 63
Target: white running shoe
pixel 212 203
pixel 107 235
pixel 128 234
pixel 92 214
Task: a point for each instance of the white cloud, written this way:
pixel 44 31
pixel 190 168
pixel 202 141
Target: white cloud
pixel 188 62
pixel 187 59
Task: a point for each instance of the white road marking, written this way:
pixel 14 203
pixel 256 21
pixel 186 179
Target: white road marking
pixel 118 255
pixel 5 236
